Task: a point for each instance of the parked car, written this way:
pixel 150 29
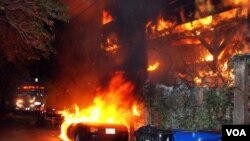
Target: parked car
pixel 49 116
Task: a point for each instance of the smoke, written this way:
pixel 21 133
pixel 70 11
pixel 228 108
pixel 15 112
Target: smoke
pixel 80 61
pixel 131 17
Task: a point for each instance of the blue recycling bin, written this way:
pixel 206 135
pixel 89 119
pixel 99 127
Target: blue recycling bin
pixel 180 135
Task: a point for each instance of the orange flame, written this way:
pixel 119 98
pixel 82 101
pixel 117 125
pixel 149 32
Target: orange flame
pixel 153 67
pixel 163 24
pixel 113 105
pixel 224 73
pixel 210 21
pixel 106 17
pixel 199 23
pixel 236 2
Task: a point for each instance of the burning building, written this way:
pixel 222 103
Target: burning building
pixel 199 46
pixel 147 42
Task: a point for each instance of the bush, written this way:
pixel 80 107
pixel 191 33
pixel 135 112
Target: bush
pixel 188 108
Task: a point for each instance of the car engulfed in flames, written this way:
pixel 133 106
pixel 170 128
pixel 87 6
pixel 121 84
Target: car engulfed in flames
pixel 112 113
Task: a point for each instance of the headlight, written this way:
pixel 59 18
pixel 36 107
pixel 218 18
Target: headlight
pixel 37 103
pixel 32 100
pixel 19 103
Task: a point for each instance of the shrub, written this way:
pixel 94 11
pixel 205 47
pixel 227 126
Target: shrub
pixel 188 108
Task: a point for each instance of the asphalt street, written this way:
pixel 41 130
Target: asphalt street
pixel 23 127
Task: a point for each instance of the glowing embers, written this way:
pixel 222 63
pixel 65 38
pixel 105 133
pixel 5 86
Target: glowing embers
pixel 153 67
pixel 114 105
pixel 106 17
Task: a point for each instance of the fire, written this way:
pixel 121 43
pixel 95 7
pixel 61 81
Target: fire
pixel 135 111
pixel 209 58
pixel 162 24
pixel 210 78
pixel 162 27
pixel 153 67
pixel 198 23
pixel 236 2
pixel 111 44
pixel 197 80
pixel 106 17
pixel 208 69
pixel 114 104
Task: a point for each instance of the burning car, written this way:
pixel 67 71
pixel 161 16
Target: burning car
pixel 112 112
pixel 97 132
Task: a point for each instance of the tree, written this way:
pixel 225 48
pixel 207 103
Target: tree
pixel 27 32
pixel 27 28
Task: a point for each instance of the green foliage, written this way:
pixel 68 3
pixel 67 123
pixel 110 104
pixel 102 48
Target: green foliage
pixel 188 108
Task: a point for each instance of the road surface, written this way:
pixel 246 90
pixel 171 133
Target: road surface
pixel 22 127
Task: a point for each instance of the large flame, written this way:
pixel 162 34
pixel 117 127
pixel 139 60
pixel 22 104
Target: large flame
pixel 163 27
pixel 113 105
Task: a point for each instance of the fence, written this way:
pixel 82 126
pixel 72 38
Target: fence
pixel 241 66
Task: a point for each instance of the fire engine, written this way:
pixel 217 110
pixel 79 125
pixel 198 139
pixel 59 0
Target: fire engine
pixel 29 97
